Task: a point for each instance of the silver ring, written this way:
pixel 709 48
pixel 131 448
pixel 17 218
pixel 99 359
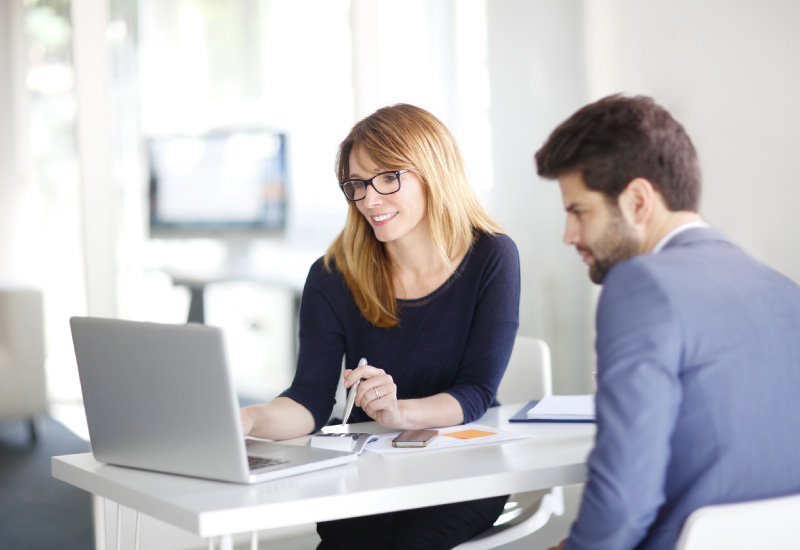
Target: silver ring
pixel 377 395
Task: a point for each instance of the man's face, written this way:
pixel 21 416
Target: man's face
pixel 599 230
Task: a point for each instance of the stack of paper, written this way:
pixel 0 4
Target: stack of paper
pixel 565 408
pixel 338 441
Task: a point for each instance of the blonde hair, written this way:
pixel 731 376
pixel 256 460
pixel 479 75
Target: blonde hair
pixel 395 138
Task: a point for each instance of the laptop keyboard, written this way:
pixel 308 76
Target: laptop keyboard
pixel 256 462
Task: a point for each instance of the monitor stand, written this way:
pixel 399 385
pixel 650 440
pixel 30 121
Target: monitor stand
pixel 238 254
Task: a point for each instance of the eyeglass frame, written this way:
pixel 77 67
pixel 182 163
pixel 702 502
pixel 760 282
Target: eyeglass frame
pixel 369 182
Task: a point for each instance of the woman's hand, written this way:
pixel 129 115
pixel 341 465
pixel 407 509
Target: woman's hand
pixel 281 418
pixel 247 420
pixel 376 395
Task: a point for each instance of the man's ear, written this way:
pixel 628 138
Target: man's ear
pixel 638 201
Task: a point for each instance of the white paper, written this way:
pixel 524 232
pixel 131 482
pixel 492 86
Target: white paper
pixel 566 407
pixel 384 444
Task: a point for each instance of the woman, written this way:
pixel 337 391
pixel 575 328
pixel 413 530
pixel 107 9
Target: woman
pixel 422 283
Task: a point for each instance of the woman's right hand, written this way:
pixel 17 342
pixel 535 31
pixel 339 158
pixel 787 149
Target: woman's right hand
pixel 247 421
pixel 376 395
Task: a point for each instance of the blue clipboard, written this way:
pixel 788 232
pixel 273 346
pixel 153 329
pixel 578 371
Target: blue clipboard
pixel 522 416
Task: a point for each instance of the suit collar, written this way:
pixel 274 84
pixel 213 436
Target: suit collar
pixel 676 231
pixel 695 234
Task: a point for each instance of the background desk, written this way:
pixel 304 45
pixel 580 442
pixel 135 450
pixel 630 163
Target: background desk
pixel 281 264
pixel 373 484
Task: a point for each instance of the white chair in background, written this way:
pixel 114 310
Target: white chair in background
pixel 528 376
pixel 23 393
pixel 768 523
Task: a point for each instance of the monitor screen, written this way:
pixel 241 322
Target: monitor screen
pixel 218 184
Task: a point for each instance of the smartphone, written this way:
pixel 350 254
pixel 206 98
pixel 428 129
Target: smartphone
pixel 414 438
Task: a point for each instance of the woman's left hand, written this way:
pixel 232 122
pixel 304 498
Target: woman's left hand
pixel 376 395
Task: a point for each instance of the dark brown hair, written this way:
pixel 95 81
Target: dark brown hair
pixel 618 139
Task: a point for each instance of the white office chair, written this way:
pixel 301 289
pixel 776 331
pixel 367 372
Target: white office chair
pixel 528 376
pixel 768 523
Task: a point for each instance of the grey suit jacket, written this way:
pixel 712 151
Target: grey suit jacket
pixel 698 391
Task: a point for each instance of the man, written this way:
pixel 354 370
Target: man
pixel 698 345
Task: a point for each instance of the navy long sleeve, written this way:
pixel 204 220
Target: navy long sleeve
pixel 456 340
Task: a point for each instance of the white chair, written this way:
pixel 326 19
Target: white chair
pixel 528 376
pixel 23 392
pixel 768 523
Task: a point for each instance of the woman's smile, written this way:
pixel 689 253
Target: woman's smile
pixel 380 219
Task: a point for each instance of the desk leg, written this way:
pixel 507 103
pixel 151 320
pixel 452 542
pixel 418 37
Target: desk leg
pixel 138 529
pixel 99 516
pixel 119 526
pixel 226 542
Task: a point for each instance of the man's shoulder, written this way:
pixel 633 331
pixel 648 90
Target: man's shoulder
pixel 701 259
pixel 693 246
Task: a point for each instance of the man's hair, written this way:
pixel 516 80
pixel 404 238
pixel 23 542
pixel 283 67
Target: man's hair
pixel 617 139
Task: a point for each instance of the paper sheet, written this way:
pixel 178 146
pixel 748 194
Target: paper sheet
pixel 467 434
pixel 564 406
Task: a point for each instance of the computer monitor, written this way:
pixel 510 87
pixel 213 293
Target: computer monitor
pixel 227 185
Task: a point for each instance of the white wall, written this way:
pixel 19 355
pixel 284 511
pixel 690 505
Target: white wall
pixel 537 77
pixel 727 70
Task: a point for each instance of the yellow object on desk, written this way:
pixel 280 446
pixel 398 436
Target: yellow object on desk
pixel 469 434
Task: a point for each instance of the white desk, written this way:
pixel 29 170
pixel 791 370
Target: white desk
pixel 373 484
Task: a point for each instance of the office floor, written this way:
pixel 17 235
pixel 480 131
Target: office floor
pixel 37 511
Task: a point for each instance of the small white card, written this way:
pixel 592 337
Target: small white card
pixel 347 442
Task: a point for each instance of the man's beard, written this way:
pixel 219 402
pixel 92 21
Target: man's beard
pixel 618 243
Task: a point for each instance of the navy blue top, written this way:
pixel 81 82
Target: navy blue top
pixel 456 340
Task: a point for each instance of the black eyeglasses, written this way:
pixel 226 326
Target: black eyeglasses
pixel 385 183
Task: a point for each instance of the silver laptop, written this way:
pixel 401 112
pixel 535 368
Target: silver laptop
pixel 160 397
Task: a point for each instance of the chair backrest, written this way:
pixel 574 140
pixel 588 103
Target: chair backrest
pixel 769 523
pixel 22 373
pixel 529 373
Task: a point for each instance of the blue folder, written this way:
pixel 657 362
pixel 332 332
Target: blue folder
pixel 522 416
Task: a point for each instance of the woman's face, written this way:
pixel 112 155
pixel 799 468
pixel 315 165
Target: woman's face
pixel 397 218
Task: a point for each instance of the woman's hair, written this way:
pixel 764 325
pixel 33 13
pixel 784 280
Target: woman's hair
pixel 395 138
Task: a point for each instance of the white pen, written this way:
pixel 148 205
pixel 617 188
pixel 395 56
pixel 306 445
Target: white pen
pixel 351 396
